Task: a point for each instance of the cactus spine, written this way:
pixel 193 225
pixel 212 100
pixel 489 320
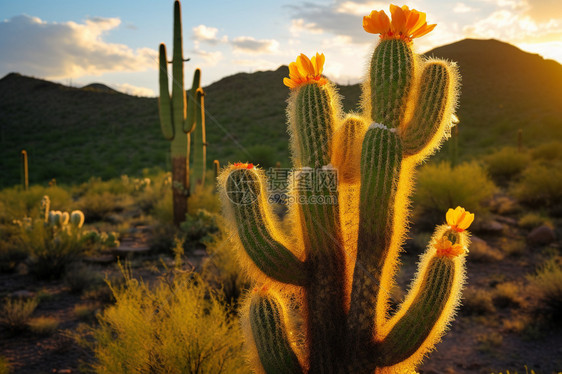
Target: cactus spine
pixel 179 117
pixel 332 272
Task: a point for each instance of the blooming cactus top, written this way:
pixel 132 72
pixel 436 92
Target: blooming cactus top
pixel 406 24
pixel 243 165
pixel 459 219
pixel 446 248
pixel 306 70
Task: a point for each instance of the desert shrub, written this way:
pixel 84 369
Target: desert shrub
pixel 548 151
pixel 98 206
pixel 532 220
pixel 80 277
pixel 221 269
pixel 205 198
pixel 477 301
pixel 198 228
pixel 506 164
pixel 512 247
pixel 5 367
pixel 16 203
pixel 11 252
pixel 546 288
pixel 441 187
pixel 515 372
pixel 43 325
pixel 15 313
pixel 480 251
pixel 178 326
pixel 507 294
pixel 51 248
pixel 489 342
pixel 540 186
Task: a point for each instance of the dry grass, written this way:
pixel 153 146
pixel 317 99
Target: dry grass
pixel 44 325
pixel 488 343
pixel 482 252
pixel 477 301
pixel 16 313
pixel 508 294
pixel 546 289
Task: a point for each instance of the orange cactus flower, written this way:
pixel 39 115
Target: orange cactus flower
pixel 305 71
pixel 406 24
pixel 243 165
pixel 446 248
pixel 459 219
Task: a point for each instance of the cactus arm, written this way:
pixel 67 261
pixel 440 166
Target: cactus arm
pixel 189 124
pixel 380 169
pixel 420 323
pixel 434 108
pixel 245 198
pixel 164 102
pixel 391 78
pixel 199 144
pixel 267 334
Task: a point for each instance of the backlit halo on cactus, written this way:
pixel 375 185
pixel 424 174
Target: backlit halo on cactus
pixel 306 70
pixel 406 24
pixel 332 264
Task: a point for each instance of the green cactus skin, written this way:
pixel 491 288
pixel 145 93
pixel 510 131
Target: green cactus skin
pixel 430 108
pixel 270 256
pixel 391 78
pixel 338 266
pixel 270 335
pixel 25 171
pixel 178 119
pixel 380 168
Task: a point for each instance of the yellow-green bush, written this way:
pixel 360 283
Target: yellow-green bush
pixel 532 220
pixel 546 288
pixel 16 203
pixel 15 313
pixel 5 367
pixel 44 325
pixel 548 151
pixel 178 326
pixel 440 187
pixel 540 186
pixel 506 164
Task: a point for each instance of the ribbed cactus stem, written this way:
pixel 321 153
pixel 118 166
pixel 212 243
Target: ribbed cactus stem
pixel 244 194
pixel 391 78
pixel 216 168
pixel 380 169
pixel 347 149
pixel 313 115
pixel 270 335
pixel 417 322
pixel 431 107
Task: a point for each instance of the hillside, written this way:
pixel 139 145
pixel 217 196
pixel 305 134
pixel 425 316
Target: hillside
pixel 72 134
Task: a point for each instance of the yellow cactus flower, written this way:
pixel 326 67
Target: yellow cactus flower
pixel 459 219
pixel 305 71
pixel 446 248
pixel 406 24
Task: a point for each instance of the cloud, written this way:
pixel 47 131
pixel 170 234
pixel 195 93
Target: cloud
pixel 210 58
pixel 248 44
pixel 462 8
pixel 67 50
pixel 133 90
pixel 207 35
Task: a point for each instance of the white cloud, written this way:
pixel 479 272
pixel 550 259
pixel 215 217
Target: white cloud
pixel 462 8
pixel 248 44
pixel 361 8
pixel 299 25
pixel 210 58
pixel 208 35
pixel 68 49
pixel 133 90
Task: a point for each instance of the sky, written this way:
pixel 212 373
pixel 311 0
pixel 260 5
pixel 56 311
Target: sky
pixel 77 42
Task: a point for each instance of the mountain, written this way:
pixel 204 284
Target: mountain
pixel 74 133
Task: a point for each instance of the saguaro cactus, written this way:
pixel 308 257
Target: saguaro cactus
pixel 322 303
pixel 24 170
pixel 179 117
